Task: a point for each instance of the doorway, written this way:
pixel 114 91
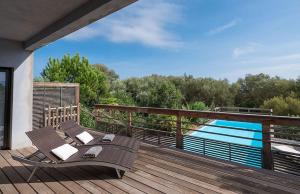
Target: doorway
pixel 5 107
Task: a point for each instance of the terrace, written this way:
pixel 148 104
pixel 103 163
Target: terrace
pixel 170 160
pixel 157 170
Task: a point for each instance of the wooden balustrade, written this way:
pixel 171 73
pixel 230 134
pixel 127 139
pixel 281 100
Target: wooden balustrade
pixel 55 115
pixel 266 120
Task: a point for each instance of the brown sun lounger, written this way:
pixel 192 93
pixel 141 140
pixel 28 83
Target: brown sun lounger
pixel 71 129
pixel 46 139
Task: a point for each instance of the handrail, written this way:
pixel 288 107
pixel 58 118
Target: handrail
pixel 274 120
pixel 244 109
pixel 267 121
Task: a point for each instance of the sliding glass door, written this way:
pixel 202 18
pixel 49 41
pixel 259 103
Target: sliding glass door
pixel 4 107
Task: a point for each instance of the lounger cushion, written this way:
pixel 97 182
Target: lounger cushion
pixel 85 137
pixel 65 151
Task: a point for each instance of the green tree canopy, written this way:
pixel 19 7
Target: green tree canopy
pixel 255 89
pixel 154 91
pixel 76 69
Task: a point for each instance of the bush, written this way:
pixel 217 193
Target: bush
pixel 87 118
pixel 198 106
pixel 283 106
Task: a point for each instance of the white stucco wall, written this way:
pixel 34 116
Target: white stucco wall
pixel 13 55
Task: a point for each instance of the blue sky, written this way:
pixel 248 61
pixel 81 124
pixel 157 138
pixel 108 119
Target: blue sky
pixel 204 38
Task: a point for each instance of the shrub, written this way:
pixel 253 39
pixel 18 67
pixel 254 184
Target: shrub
pixel 283 106
pixel 87 118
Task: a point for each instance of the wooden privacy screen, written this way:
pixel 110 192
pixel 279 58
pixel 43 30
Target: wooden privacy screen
pixel 54 94
pixel 55 115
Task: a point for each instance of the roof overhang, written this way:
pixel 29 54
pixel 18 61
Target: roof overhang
pixel 39 22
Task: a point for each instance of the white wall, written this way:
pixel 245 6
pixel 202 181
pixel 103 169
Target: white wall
pixel 13 55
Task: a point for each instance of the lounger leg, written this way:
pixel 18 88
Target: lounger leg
pixel 32 173
pixel 120 173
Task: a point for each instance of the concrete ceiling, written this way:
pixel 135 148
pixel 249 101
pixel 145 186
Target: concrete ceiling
pixel 39 22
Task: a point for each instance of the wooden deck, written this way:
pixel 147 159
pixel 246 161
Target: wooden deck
pixel 156 170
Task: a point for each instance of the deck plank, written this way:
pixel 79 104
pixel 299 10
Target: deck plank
pixel 156 170
pixel 6 186
pixel 36 183
pixel 19 183
pixel 240 178
pixel 65 181
pixel 73 174
pixel 234 182
pixel 259 174
pixel 182 183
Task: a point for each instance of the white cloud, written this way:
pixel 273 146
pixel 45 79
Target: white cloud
pixel 224 27
pixel 146 22
pixel 249 48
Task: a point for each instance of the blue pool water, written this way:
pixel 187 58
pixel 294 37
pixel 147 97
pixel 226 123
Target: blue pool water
pixel 244 125
pixel 235 149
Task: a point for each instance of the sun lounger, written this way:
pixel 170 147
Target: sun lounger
pixel 72 129
pixel 46 139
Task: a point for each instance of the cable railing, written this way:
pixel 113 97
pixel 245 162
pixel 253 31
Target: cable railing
pixel 199 132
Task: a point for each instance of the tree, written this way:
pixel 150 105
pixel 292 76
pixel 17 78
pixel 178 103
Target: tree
pixel 118 93
pixel 154 91
pixel 110 74
pixel 255 89
pixel 74 69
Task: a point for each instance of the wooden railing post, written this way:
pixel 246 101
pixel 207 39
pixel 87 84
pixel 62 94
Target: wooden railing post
pixel 267 152
pixel 179 136
pixel 78 113
pixel 129 131
pixel 56 118
pixel 49 116
pixel 64 113
pixel 98 118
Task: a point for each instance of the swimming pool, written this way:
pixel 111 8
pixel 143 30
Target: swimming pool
pixel 245 148
pixel 226 131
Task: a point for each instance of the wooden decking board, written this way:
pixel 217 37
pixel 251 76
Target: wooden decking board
pixel 239 181
pixel 237 170
pixel 72 174
pixel 69 184
pixel 106 185
pixel 15 178
pixel 123 186
pixel 189 179
pixel 262 174
pixel 5 185
pixel 164 182
pixel 182 183
pixel 156 170
pixel 171 170
pixel 108 175
pixel 142 187
pixel 36 184
pixel 245 180
pixel 44 182
pixel 126 180
pixel 152 183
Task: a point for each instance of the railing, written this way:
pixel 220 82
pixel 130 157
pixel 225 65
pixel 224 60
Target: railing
pixel 173 128
pixel 53 116
pixel 244 110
